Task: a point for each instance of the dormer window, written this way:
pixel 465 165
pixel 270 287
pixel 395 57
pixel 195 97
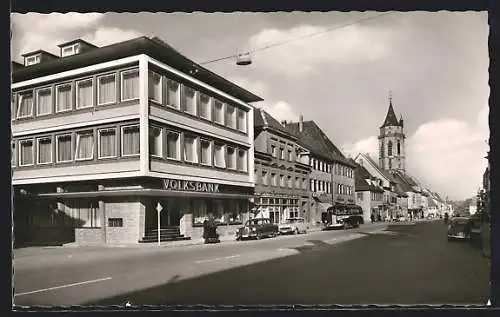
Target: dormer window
pixel 32 60
pixel 70 50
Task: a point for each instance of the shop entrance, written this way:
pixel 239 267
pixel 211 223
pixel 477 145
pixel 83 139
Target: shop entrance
pixel 170 215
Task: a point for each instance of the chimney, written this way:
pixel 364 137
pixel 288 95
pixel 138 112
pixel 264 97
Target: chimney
pixel 301 123
pixel 283 122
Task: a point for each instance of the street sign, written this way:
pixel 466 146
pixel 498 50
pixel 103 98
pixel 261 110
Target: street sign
pixel 159 209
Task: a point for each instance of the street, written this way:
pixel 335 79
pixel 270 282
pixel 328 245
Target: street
pixel 409 264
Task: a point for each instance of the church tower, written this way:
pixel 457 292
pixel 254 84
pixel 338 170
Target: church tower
pixel 392 142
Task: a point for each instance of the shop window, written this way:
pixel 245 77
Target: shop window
pixel 130 140
pixel 25 104
pixel 107 143
pixel 219 155
pixel 242 120
pixel 219 112
pixel 200 212
pixel 155 141
pixel 44 150
pixel 231 157
pixel 188 100
pixel 84 93
pixel 130 85
pixel 173 94
pixel 63 148
pixel 82 213
pixel 230 117
pixel 64 97
pixel 242 160
pixel 84 145
pixel 206 152
pixel 173 145
pixel 154 90
pixel 115 222
pixel 106 89
pixel 190 149
pixel 44 101
pixel 26 152
pixel 205 107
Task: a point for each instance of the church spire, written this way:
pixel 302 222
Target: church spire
pixel 390 118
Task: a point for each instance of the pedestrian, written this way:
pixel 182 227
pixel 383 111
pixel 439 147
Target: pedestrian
pixel 372 217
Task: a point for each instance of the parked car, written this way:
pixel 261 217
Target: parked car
pixel 293 226
pixel 257 228
pixel 459 228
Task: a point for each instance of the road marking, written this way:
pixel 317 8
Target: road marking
pixel 63 286
pixel 218 259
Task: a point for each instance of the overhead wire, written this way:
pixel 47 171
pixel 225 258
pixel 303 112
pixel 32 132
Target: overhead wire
pixel 300 37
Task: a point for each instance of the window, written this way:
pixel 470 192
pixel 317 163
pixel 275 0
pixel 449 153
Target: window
pixel 115 222
pixel 304 183
pixel 190 149
pixel 107 143
pixel 282 180
pixel 289 181
pixel 13 154
pixel 219 155
pixel 71 50
pixel 290 155
pixel 130 85
pixel 206 152
pixel 274 151
pixel 155 87
pixel 389 148
pixel 84 145
pixel 231 157
pixel 44 150
pixel 230 117
pixel 265 181
pixel 63 148
pixel 173 95
pixel 274 179
pixel 155 141
pixel 26 152
pixel 381 153
pixel 359 196
pixel 399 148
pixel 106 89
pixel 205 109
pixel 173 145
pixel 242 160
pixel 282 153
pixel 241 123
pixel 64 100
pixel 44 101
pixel 32 60
pixel 188 100
pixel 130 140
pixel 25 104
pixel 219 112
pixel 297 182
pixel 84 93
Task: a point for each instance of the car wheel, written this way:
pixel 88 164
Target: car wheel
pixel 259 236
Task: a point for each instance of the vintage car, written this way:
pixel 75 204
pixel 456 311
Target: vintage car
pixel 459 228
pixel 257 228
pixel 293 226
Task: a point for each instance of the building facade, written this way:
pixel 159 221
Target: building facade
pixel 369 193
pixel 101 137
pixel 281 174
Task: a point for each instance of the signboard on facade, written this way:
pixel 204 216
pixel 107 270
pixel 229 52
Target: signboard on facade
pixel 193 186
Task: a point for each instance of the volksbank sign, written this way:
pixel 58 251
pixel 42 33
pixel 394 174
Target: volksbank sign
pixel 174 184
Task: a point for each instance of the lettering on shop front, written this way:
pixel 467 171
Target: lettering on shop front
pixel 173 184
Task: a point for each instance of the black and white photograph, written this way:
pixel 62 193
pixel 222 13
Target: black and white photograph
pixel 250 158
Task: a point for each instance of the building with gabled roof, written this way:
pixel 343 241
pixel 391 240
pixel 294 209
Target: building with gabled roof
pixel 369 193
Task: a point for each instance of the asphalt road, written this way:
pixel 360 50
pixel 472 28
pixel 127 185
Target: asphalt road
pixel 72 276
pixel 406 265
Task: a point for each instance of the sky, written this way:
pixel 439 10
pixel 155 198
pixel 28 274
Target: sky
pixel 435 64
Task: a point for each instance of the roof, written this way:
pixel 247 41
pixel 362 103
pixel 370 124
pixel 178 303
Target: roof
pixel 39 51
pixel 316 141
pixel 16 65
pixel 381 170
pixel 360 183
pixel 153 47
pixel 76 41
pixel 262 119
pixel 390 118
pixel 431 202
pixel 404 186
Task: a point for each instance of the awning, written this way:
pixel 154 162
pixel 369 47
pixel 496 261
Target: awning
pixel 142 192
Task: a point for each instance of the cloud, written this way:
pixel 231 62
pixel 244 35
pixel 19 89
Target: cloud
pixel 368 145
pixel 446 155
pixel 352 44
pixel 282 111
pixel 35 31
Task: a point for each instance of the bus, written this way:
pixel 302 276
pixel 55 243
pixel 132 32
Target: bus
pixel 343 217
